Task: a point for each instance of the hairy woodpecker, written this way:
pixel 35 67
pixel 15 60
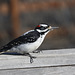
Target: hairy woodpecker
pixel 28 42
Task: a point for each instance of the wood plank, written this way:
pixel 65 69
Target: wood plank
pixel 14 10
pixel 49 58
pixel 41 71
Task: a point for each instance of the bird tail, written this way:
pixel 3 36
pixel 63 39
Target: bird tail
pixel 3 49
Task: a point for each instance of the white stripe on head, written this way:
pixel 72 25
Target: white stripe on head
pixel 44 25
pixel 41 30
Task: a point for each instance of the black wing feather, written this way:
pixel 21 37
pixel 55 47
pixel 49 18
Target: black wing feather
pixel 28 38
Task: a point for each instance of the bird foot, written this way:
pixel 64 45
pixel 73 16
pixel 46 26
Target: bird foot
pixel 31 57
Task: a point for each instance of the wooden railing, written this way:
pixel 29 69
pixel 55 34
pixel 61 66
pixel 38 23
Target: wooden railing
pixel 49 62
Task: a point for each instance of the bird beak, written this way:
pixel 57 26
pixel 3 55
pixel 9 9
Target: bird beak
pixel 51 28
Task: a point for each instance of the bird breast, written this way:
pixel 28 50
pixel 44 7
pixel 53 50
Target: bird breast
pixel 29 47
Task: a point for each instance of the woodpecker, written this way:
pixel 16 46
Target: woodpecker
pixel 28 42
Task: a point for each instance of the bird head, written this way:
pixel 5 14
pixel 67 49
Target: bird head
pixel 44 28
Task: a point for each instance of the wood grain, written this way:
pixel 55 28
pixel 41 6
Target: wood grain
pixel 50 62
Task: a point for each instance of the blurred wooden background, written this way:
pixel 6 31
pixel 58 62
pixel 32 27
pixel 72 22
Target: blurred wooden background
pixel 19 16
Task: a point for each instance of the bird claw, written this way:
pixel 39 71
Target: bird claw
pixel 31 59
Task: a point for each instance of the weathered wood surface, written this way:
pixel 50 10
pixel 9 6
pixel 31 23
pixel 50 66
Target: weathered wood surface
pixel 50 62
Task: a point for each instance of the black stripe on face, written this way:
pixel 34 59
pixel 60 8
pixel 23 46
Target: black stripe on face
pixel 42 33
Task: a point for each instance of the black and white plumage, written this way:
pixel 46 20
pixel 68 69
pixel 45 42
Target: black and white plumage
pixel 28 42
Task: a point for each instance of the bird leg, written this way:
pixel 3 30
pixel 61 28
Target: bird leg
pixel 31 57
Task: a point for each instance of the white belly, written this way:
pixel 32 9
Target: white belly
pixel 29 47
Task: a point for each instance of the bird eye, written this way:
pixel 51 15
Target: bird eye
pixel 42 28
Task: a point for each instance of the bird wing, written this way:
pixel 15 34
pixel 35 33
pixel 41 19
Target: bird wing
pixel 27 38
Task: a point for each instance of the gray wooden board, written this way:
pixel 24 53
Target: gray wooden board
pixel 69 70
pixel 50 62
